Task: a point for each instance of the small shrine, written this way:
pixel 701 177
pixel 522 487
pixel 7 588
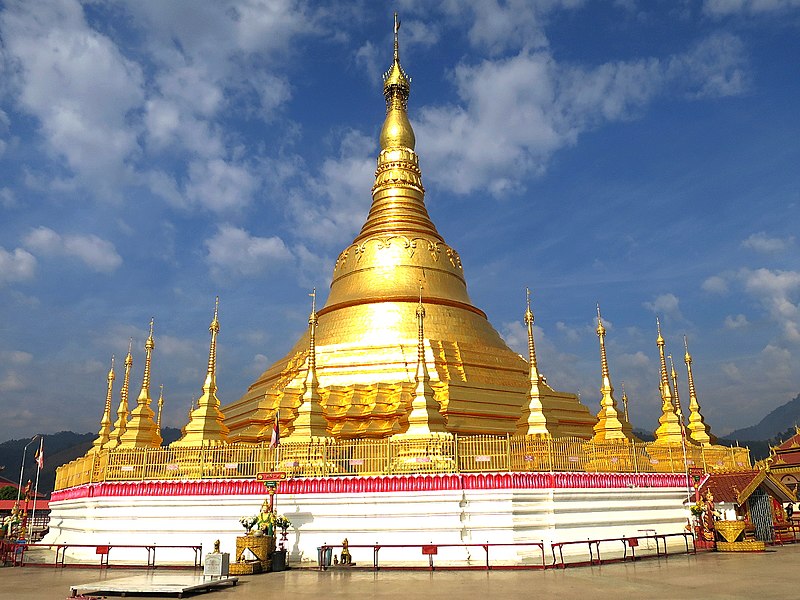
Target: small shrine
pixel 742 511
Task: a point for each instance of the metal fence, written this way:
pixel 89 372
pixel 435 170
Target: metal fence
pixel 446 454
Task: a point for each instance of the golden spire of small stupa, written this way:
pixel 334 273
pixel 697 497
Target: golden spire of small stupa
pixel 699 431
pixel 105 421
pixel 669 428
pixel 120 425
pixel 609 425
pixel 424 417
pixel 676 395
pixel 532 421
pixel 160 406
pixel 142 431
pixel 310 421
pixel 625 403
pixel 206 424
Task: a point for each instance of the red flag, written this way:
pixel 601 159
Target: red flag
pixel 39 456
pixel 276 432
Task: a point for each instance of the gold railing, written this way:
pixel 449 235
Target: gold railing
pixel 456 454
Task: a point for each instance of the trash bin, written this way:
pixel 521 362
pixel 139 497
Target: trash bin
pixel 279 560
pixel 324 556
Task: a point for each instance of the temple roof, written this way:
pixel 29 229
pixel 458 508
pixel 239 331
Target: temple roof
pixel 738 487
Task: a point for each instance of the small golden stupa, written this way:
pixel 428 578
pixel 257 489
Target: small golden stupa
pixel 356 373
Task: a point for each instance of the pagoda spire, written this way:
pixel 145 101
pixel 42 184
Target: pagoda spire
pixel 677 399
pixel 669 428
pixel 532 421
pixel 160 407
pixel 206 424
pixel 310 421
pixel 120 425
pixel 104 435
pixel 398 195
pixel 699 431
pixel 625 403
pixel 609 425
pixel 142 431
pixel 424 417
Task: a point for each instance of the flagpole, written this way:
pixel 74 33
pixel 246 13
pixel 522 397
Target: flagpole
pixel 39 462
pixel 22 467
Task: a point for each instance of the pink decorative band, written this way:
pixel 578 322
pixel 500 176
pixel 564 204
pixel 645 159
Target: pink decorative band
pixel 380 484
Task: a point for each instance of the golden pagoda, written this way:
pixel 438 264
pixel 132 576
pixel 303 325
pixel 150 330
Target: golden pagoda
pixel 141 430
pixel 122 410
pixel 104 435
pixel 206 425
pixel 611 425
pixel 670 430
pixel 699 431
pixel 362 362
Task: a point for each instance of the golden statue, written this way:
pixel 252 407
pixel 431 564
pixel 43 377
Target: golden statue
pixel 346 558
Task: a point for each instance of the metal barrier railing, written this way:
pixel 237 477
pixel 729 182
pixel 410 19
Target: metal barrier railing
pixel 456 454
pixel 325 552
pixel 103 551
pixel 628 544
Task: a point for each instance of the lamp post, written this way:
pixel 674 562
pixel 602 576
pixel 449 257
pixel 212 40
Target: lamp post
pixel 22 466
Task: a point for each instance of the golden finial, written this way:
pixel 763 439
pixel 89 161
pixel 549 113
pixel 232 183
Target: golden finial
pixel 160 405
pixel 659 339
pixel 534 375
pixel 312 383
pixel 214 327
pixel 625 402
pixel 151 343
pixel 677 400
pixel 422 369
pixel 396 42
pixel 601 333
pixel 104 435
pixel 699 431
pixel 420 307
pixel 129 356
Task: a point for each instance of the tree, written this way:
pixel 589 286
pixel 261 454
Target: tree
pixel 8 492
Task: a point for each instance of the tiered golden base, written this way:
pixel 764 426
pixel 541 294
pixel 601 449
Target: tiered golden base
pixel 262 548
pixel 746 546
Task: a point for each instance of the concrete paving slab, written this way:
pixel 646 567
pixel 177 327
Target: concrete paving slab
pixel 766 576
pixel 172 584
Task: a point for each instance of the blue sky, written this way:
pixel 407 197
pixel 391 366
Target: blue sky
pixel 642 155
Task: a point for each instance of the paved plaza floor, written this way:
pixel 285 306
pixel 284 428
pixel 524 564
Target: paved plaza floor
pixel 772 574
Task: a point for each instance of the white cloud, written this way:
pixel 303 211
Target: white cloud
pixel 233 251
pixel 18 265
pixel 12 382
pixel 515 112
pixel 760 242
pixel 665 304
pixel 220 185
pixel 715 284
pixel 719 8
pixel 16 357
pixel 778 292
pixel 96 253
pixel 637 359
pixel 344 182
pixel 736 322
pixel 77 84
pixel 732 372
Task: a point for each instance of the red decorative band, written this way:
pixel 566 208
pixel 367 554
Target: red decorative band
pixel 380 484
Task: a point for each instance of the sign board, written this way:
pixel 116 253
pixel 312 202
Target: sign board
pixel 271 484
pixel 272 476
pixel 217 564
pixel 430 550
pixel 101 550
pixel 696 474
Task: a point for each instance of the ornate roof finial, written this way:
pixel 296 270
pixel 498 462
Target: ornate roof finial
pixel 625 402
pixel 396 42
pixel 160 406
pixel 105 422
pixel 699 431
pixel 669 429
pixel 142 431
pixel 608 426
pixel 677 400
pixel 532 421
pixel 120 425
pixel 424 417
pixel 205 424
pixel 312 383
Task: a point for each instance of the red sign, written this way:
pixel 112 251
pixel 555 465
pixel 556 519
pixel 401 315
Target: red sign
pixel 273 476
pixel 696 473
pixel 101 550
pixel 428 550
